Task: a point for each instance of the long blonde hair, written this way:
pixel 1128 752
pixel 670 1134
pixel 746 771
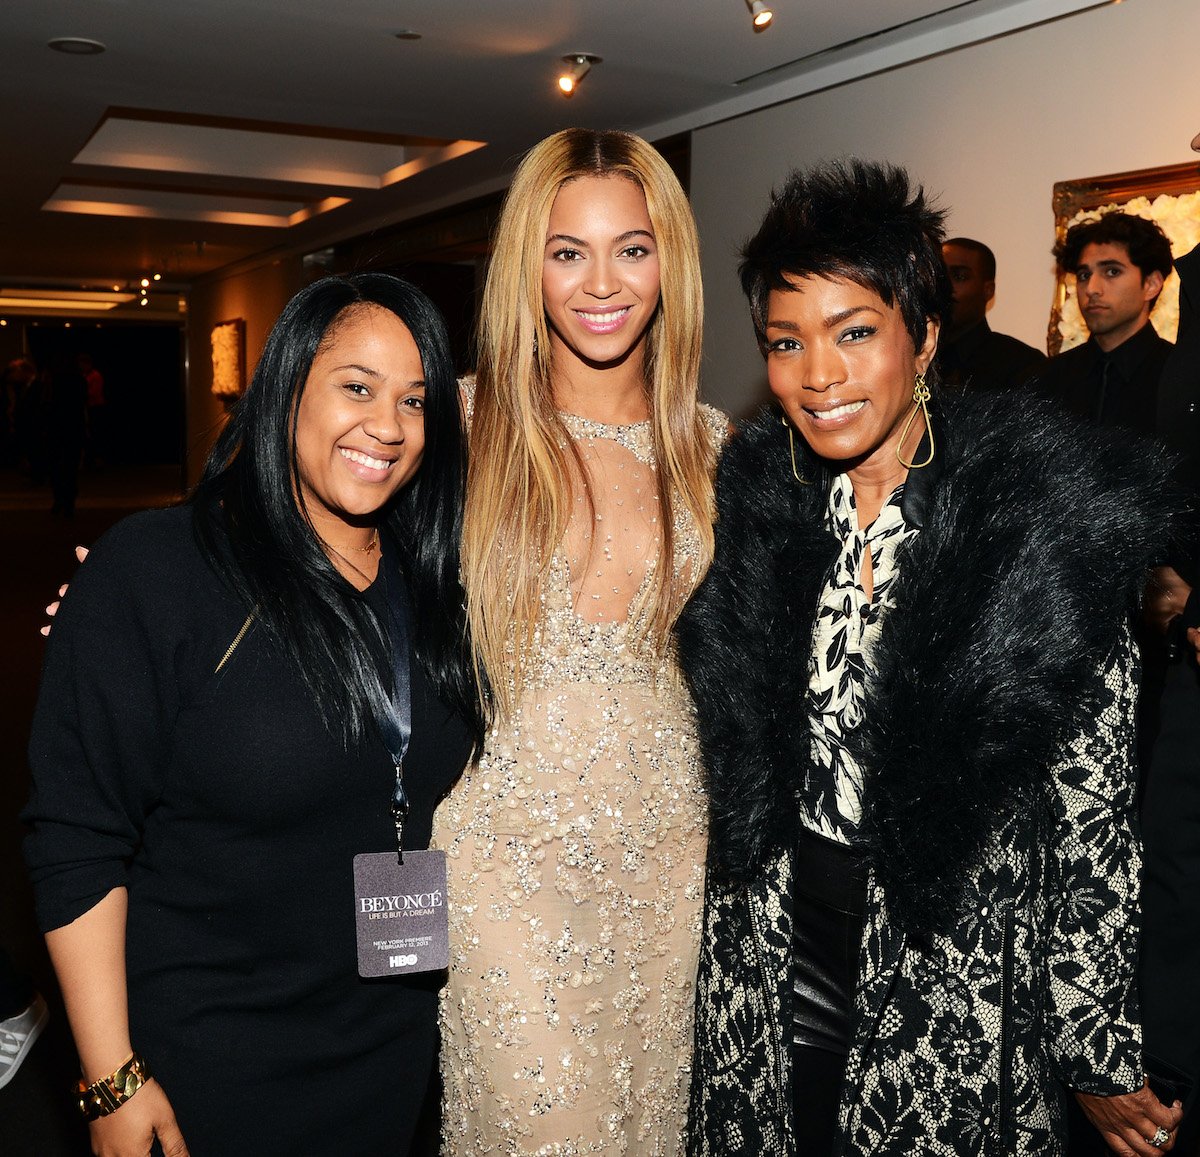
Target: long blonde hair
pixel 518 482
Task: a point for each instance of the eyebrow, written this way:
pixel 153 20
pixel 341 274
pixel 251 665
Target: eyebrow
pixel 831 321
pixel 628 236
pixel 1107 263
pixel 366 370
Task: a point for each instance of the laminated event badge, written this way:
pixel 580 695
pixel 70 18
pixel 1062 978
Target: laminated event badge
pixel 400 913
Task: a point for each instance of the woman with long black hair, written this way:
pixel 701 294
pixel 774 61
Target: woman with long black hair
pixel 207 753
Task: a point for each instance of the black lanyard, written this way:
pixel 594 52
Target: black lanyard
pixel 395 722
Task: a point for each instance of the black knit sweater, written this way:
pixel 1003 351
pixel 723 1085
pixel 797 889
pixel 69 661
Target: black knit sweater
pixel 232 817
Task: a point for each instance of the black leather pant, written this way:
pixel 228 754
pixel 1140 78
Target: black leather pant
pixel 830 895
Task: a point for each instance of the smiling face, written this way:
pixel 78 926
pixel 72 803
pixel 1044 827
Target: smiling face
pixel 842 364
pixel 360 425
pixel 1113 296
pixel 600 273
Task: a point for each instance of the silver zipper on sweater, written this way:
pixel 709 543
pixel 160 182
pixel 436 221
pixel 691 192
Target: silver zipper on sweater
pixel 236 639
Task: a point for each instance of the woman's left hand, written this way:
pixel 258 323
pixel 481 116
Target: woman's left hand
pixel 1129 1121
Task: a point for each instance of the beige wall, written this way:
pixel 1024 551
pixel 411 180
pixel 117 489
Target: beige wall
pixel 257 296
pixel 989 128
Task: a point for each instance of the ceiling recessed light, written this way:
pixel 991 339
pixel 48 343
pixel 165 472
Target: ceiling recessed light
pixel 407 34
pixel 76 46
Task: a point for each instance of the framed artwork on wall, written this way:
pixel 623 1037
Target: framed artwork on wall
pixel 229 359
pixel 1169 195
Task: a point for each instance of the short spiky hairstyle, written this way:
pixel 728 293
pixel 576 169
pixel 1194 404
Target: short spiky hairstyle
pixel 858 220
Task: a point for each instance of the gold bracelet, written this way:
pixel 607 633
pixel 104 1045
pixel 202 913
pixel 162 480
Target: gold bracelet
pixel 109 1093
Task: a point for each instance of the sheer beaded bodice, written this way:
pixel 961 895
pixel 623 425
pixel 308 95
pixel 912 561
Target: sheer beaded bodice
pixel 612 540
pixel 592 604
pixel 576 855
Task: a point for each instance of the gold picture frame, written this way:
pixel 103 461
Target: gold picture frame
pixel 229 359
pixel 1169 195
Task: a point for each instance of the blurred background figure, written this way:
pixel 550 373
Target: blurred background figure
pixel 971 353
pixel 96 411
pixel 65 430
pixel 25 395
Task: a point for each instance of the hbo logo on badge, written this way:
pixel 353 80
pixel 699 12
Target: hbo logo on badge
pixel 402 960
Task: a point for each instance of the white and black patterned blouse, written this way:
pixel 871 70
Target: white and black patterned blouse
pixel 847 625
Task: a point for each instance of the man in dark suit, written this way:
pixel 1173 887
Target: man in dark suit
pixel 1169 974
pixel 1127 376
pixel 1119 263
pixel 970 352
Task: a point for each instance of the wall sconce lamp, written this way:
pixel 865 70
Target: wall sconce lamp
pixel 760 14
pixel 580 64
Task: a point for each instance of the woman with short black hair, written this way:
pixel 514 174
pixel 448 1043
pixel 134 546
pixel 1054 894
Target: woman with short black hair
pixel 915 683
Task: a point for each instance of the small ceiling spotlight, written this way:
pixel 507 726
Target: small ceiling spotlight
pixel 76 45
pixel 580 65
pixel 760 14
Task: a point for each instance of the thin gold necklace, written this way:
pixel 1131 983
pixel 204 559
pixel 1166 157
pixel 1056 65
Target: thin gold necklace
pixel 370 545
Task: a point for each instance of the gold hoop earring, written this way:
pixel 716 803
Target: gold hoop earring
pixel 920 403
pixel 792 445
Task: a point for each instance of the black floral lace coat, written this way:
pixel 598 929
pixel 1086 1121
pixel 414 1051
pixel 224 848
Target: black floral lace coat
pixel 999 956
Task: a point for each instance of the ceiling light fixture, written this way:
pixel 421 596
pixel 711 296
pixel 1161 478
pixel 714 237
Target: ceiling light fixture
pixel 76 46
pixel 407 34
pixel 580 65
pixel 760 14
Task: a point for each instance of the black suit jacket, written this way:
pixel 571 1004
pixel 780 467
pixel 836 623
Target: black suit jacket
pixel 986 360
pixel 1126 394
pixel 1170 963
pixel 1178 416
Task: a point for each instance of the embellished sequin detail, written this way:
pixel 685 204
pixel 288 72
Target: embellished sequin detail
pixel 576 857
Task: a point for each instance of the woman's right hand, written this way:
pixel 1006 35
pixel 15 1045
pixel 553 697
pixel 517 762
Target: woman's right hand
pixel 129 1131
pixel 81 552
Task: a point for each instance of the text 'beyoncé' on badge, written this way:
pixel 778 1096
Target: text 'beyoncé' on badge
pixel 400 913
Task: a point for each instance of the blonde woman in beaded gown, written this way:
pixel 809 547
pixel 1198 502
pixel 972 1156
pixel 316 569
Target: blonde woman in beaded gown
pixel 576 844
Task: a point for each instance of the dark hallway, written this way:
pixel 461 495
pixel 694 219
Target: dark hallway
pixel 37 1118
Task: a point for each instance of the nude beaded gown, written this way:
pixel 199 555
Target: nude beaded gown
pixel 576 856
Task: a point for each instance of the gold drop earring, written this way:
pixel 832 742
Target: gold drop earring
pixel 920 403
pixel 792 445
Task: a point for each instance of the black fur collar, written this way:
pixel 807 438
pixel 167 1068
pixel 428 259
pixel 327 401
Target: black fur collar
pixel 1036 533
